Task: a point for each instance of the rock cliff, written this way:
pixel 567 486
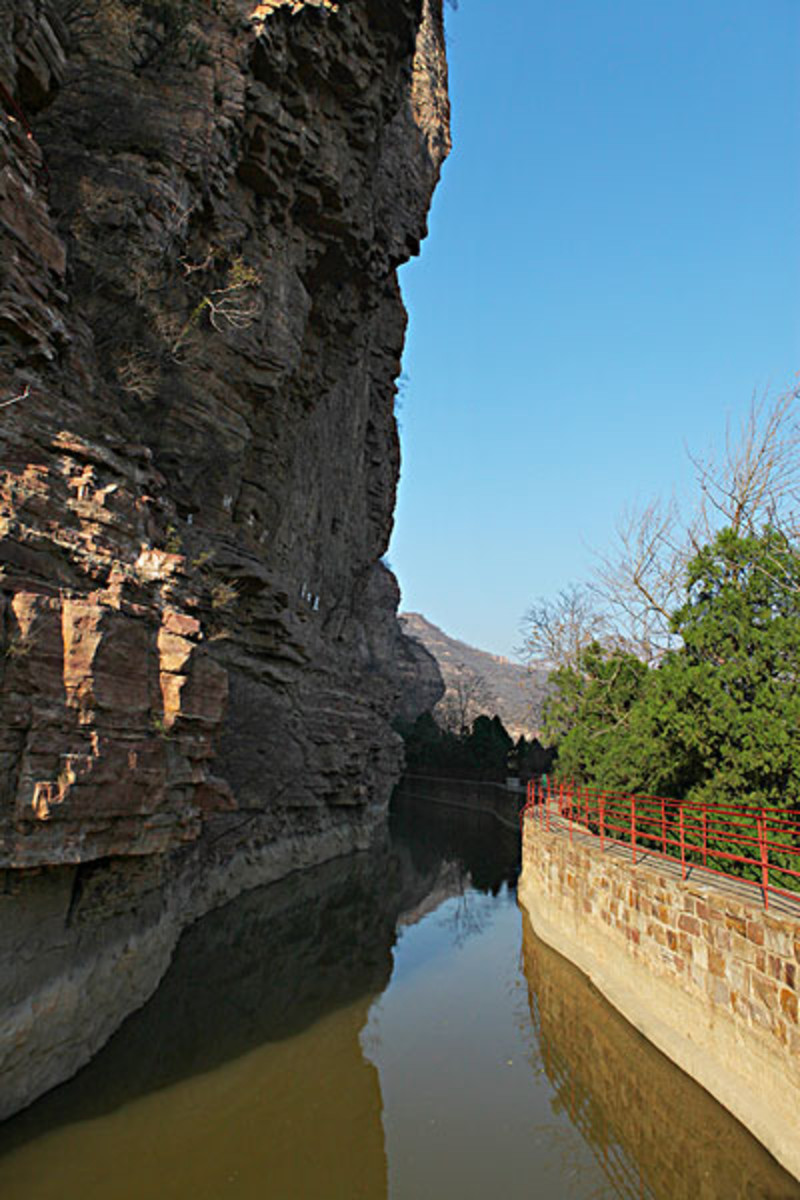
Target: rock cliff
pixel 203 204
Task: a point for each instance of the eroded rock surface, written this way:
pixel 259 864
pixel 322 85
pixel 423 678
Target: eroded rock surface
pixel 202 209
pixel 203 206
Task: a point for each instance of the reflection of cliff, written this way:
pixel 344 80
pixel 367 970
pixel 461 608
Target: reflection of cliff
pixel 296 1118
pixel 259 970
pixel 655 1132
pixel 245 1066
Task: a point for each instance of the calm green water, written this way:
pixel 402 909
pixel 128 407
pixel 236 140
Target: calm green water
pixel 384 1026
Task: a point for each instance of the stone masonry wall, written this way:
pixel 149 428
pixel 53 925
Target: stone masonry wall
pixel 476 795
pixel 711 979
pixel 642 1117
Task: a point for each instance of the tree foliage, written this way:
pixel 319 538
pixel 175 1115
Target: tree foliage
pixel 482 751
pixel 748 484
pixel 718 720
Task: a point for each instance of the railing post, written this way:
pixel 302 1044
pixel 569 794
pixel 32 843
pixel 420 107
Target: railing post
pixel 568 790
pixel 633 828
pixel 547 806
pixel 663 827
pixel 762 845
pixel 602 819
pixel 705 840
pixel 683 852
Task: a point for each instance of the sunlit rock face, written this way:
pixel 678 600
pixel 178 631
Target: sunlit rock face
pixel 203 208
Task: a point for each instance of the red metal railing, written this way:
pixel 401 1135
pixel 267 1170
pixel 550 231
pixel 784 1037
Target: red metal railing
pixel 757 845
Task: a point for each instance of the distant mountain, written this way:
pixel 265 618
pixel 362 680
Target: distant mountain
pixel 481 682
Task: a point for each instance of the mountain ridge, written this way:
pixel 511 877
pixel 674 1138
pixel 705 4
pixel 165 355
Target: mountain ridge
pixel 513 691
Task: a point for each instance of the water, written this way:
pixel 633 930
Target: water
pixel 384 1026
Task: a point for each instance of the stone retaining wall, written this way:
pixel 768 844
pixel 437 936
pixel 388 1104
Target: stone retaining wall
pixel 644 1118
pixel 712 980
pixel 473 794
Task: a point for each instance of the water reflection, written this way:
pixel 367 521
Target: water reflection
pixel 234 1072
pixel 655 1133
pixel 371 1029
pixel 481 853
pixel 260 969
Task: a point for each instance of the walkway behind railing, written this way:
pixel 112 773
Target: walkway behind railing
pixel 755 845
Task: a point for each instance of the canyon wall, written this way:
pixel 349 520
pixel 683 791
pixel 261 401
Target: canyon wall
pixel 203 204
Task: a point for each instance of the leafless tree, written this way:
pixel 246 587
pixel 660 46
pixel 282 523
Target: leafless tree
pixel 557 631
pixel 639 582
pixel 236 305
pixel 753 481
pixel 467 696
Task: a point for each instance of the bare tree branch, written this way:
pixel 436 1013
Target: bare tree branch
pixel 752 483
pixel 755 480
pixel 467 696
pixel 16 399
pixel 557 631
pixel 639 582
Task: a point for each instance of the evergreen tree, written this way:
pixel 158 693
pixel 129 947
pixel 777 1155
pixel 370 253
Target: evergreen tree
pixel 719 720
pixel 727 705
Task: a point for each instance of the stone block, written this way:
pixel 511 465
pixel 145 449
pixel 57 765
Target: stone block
pixel 716 963
pixel 764 990
pixel 755 932
pixel 789 1004
pixel 717 991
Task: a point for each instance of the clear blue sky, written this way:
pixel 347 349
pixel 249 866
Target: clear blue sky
pixel 613 267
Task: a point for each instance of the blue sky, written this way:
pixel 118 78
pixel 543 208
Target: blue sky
pixel 612 270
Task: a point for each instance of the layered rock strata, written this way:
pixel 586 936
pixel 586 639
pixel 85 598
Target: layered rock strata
pixel 202 205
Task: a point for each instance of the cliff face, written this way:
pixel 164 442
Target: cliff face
pixel 202 208
pixel 203 205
